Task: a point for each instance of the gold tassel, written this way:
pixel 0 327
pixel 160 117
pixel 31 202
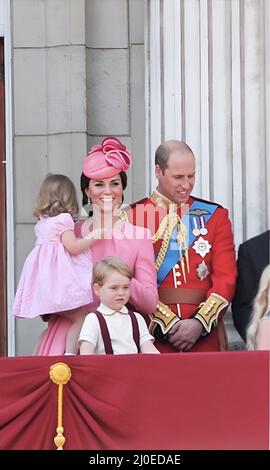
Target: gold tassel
pixel 182 243
pixel 60 374
pixel 187 259
pixel 183 268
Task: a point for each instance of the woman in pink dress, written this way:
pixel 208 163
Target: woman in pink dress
pixel 57 274
pixel 103 182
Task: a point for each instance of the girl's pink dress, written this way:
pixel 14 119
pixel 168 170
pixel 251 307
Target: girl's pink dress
pixel 52 280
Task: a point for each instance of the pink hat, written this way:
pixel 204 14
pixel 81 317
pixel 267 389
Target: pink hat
pixel 106 160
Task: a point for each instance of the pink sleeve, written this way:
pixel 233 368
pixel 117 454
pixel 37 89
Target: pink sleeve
pixel 143 289
pixel 64 222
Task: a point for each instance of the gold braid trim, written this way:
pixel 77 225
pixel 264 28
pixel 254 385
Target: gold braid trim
pixel 209 311
pixel 164 317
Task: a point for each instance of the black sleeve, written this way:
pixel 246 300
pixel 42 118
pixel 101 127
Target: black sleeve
pixel 246 289
pixel 159 335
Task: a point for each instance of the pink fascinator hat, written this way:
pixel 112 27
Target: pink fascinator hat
pixel 106 160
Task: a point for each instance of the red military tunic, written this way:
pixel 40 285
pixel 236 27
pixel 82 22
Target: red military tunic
pixel 211 276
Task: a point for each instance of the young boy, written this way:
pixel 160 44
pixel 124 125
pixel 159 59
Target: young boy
pixel 113 329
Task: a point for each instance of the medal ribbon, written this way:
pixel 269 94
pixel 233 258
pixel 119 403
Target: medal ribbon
pixel 197 209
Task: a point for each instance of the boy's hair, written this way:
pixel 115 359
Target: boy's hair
pixel 107 265
pixel 56 196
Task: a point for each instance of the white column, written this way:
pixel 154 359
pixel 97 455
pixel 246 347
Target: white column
pixel 237 112
pixel 208 81
pixel 153 106
pixel 5 31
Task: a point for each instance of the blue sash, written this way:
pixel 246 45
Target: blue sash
pixel 197 209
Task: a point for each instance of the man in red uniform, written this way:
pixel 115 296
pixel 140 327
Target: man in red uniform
pixel 195 256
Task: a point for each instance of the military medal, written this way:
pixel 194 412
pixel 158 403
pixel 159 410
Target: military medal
pixel 199 231
pixel 202 271
pixel 196 230
pixel 203 229
pixel 202 247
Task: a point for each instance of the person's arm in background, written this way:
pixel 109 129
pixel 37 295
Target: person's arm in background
pixel 143 287
pixel 263 334
pixel 246 288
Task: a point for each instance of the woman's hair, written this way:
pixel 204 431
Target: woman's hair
pixel 56 195
pixel 85 184
pixel 108 265
pixel 261 307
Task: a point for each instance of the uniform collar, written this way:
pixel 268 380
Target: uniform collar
pixel 108 311
pixel 164 202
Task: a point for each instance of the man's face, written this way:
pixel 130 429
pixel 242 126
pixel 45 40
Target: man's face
pixel 178 179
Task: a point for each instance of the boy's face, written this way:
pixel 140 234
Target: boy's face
pixel 114 293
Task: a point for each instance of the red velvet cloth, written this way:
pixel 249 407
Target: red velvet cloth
pixel 176 401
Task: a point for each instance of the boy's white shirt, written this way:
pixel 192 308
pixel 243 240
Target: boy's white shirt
pixel 120 330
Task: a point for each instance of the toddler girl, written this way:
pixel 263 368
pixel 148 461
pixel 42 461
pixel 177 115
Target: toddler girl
pixel 57 274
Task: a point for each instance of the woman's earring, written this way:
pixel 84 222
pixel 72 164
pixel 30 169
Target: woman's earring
pixel 90 213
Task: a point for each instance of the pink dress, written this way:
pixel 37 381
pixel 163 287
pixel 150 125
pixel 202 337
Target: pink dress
pixel 134 246
pixel 52 280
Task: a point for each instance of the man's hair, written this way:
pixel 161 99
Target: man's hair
pixel 102 269
pixel 164 151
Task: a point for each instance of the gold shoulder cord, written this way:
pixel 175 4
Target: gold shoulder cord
pixel 165 230
pixel 123 216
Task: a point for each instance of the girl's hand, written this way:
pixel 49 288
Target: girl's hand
pixel 97 234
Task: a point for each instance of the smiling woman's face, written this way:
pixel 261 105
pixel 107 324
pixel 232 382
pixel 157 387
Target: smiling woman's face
pixel 106 194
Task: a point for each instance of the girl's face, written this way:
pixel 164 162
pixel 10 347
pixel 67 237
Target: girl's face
pixel 106 194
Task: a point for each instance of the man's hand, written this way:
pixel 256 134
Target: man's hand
pixel 184 334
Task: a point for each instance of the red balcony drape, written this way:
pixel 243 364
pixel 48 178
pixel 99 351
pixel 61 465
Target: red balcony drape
pixel 171 401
